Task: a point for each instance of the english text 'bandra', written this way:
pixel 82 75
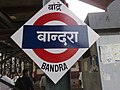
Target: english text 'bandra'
pixel 54 67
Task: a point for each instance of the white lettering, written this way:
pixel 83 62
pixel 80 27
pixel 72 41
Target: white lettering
pixel 60 36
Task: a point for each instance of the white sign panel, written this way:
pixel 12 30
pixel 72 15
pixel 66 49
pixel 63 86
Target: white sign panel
pixel 54 38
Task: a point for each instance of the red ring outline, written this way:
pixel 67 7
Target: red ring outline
pixel 50 57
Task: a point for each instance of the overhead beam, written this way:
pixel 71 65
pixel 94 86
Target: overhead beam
pixel 21 9
pixel 5 20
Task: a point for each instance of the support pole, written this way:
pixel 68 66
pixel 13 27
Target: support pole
pixel 64 83
pixel 45 2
